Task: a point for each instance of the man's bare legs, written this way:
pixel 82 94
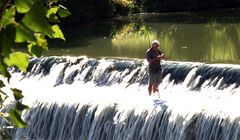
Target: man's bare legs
pixel 155 88
pixel 152 88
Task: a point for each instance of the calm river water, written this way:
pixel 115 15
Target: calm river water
pixel 184 37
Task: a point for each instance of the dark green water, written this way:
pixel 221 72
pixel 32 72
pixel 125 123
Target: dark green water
pixel 183 37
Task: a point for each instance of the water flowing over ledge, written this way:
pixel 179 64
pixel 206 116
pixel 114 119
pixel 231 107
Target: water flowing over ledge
pixel 89 98
pixel 107 72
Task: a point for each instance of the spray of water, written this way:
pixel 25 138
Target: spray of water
pixel 85 98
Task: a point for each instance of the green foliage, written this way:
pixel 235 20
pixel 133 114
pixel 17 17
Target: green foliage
pixel 18 59
pixel 7 40
pixel 8 17
pixel 2 84
pixel 63 12
pixel 15 117
pixel 35 19
pixel 15 113
pixel 85 10
pixel 23 6
pixel 185 5
pixel 23 34
pixel 51 15
pixel 27 22
pixel 132 36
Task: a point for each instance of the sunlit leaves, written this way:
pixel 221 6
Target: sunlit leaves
pixel 54 12
pixel 8 17
pixel 51 14
pixel 36 48
pixel 41 41
pixel 23 6
pixel 125 2
pixel 132 30
pixel 130 33
pixel 35 19
pixel 18 59
pixel 57 32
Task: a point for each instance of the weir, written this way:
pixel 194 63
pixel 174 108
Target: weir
pixel 106 98
pixel 106 72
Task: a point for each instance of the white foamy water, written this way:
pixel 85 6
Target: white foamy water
pixel 98 106
pixel 183 104
pixel 176 97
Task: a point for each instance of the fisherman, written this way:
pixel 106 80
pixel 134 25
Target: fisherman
pixel 154 56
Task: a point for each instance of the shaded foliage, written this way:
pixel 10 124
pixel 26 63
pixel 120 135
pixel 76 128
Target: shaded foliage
pixel 86 10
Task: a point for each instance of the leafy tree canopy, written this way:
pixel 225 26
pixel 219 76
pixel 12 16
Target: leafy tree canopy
pixel 29 23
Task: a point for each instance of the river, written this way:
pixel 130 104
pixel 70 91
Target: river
pixel 183 36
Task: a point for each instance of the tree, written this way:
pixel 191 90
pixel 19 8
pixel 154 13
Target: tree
pixel 27 23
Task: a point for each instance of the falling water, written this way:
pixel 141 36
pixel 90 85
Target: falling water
pixel 89 98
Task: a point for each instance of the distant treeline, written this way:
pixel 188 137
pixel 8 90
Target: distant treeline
pixel 85 10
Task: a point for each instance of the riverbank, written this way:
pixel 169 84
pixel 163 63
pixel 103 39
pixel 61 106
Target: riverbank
pixel 84 11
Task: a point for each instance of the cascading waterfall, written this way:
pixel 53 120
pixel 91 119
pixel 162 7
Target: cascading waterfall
pixel 88 98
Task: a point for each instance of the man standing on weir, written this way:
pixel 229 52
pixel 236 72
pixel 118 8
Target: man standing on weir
pixel 154 56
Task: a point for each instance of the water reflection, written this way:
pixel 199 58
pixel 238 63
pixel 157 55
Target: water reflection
pixel 183 41
pixel 223 42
